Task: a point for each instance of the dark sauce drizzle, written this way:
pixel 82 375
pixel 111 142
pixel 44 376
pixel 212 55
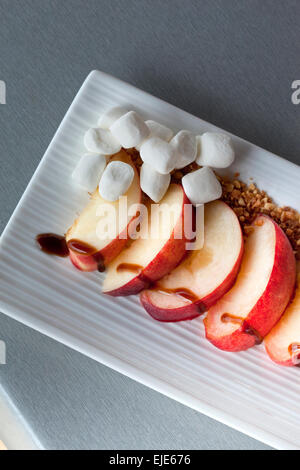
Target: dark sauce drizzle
pixel 56 245
pixel 181 292
pixel 84 249
pixel 100 265
pixel 53 244
pixel 185 294
pixel 228 318
pixel 81 248
pixel 251 331
pixel 246 328
pixel 134 268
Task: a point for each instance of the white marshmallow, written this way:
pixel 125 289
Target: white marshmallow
pixel 110 116
pixel 89 170
pixel 215 150
pixel 201 186
pixel 158 130
pixel 101 141
pixel 185 146
pixel 154 184
pixel 198 140
pixel 130 130
pixel 116 180
pixel 158 154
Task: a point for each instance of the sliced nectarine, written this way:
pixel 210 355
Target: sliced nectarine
pixel 88 250
pixel 205 274
pixel 283 342
pixel 261 292
pixel 160 246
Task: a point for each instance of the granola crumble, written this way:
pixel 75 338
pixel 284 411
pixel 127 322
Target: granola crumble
pixel 248 201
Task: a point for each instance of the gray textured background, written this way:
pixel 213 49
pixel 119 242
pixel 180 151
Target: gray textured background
pixel 229 62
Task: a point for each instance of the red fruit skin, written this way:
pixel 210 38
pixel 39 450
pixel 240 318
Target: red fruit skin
pixel 189 312
pixel 132 287
pixel 167 259
pixel 271 305
pixel 237 341
pixel 281 355
pixel 196 308
pixel 91 262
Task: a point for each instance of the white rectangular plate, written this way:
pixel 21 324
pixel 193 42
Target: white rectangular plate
pixel 244 390
pixel 15 433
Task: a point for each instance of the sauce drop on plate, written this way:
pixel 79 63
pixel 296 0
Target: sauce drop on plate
pixel 53 244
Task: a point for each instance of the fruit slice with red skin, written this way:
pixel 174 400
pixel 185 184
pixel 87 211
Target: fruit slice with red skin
pixel 283 342
pixel 204 275
pixel 150 257
pixel 88 251
pixel 260 294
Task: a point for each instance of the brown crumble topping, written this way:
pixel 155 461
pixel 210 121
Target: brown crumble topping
pixel 247 201
pixel 135 155
pixel 176 175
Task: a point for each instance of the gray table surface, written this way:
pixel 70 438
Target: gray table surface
pixel 230 62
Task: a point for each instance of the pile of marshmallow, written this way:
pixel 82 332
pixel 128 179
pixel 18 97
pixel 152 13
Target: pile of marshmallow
pixel 161 152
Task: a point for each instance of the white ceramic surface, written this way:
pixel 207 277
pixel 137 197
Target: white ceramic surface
pixel 244 390
pixel 15 432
